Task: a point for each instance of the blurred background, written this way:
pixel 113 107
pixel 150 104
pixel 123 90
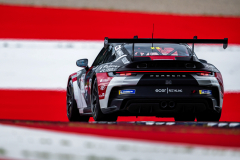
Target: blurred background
pixel 40 41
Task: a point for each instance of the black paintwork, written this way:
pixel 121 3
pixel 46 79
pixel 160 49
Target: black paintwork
pixel 102 64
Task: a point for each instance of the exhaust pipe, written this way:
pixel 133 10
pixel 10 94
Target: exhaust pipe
pixel 163 104
pixel 171 104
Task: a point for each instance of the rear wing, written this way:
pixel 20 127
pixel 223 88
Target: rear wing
pixel 142 40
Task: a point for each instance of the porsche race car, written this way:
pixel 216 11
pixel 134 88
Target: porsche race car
pixel 146 77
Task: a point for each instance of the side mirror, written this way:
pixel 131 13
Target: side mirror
pixel 202 60
pixel 82 63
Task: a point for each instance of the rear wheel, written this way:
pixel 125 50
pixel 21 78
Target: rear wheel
pixel 185 117
pixel 209 116
pixel 72 110
pixel 96 111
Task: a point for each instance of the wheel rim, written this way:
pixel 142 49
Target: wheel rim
pixel 94 99
pixel 69 99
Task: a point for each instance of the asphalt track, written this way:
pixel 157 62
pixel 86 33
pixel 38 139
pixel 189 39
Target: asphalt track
pixel 200 133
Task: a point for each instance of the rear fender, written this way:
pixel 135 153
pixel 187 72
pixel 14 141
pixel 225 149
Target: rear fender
pixel 106 83
pixel 210 81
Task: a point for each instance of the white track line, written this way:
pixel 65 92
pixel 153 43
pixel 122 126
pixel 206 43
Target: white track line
pixel 37 144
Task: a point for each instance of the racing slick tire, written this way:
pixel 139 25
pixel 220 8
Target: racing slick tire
pixel 209 116
pixel 96 110
pixel 184 117
pixel 72 110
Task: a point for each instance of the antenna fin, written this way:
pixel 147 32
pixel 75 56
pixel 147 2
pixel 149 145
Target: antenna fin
pixel 153 31
pixel 195 37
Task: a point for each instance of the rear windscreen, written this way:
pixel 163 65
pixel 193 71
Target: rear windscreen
pixel 157 49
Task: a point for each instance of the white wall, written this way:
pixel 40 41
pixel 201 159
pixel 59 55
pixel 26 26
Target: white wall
pixel 32 64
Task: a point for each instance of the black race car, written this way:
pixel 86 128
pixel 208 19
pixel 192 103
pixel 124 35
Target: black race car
pixel 146 77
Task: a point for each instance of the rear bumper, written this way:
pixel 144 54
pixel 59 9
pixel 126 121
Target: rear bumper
pixel 149 102
pixel 153 107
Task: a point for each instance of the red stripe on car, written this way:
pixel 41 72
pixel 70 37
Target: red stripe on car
pixel 73 74
pixel 74 79
pixel 103 80
pixel 162 71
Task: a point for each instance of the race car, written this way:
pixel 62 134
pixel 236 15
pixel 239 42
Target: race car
pixel 146 77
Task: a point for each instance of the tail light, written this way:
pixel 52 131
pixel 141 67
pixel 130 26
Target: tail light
pixel 120 74
pixel 205 74
pixel 220 81
pixel 125 74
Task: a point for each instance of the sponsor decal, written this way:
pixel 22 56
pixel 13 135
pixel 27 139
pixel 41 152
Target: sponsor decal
pixel 118 47
pixel 204 91
pixel 125 61
pixel 113 66
pixel 169 90
pixel 160 90
pixel 102 87
pixel 101 95
pixel 108 68
pixel 175 90
pixel 118 50
pixel 119 53
pixel 127 91
pixel 105 80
